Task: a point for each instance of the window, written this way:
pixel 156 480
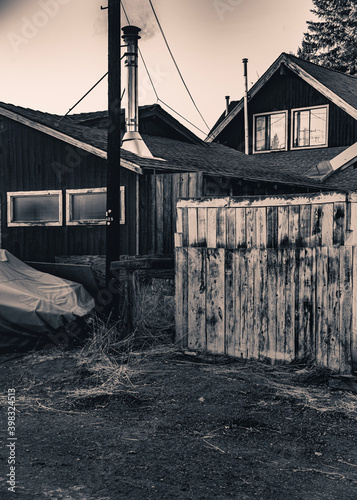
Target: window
pixel 270 132
pixel 89 206
pixel 29 208
pixel 309 127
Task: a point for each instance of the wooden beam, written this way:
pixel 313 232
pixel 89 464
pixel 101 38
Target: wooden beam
pixel 281 201
pixel 348 108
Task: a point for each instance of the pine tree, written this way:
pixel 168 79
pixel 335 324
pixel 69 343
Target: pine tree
pixel 332 40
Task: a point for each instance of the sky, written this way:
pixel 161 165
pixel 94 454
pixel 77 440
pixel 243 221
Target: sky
pixel 53 51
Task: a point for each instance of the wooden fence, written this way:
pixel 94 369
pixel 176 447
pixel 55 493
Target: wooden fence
pixel 268 222
pixel 289 302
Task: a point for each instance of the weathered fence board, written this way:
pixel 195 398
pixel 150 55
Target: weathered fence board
pixel 346 305
pixel 322 307
pixel 354 310
pixel 215 303
pixel 232 223
pixel 196 296
pixel 275 304
pixel 333 309
pixel 181 290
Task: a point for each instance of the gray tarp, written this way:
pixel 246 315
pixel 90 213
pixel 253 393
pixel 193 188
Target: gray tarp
pixel 33 304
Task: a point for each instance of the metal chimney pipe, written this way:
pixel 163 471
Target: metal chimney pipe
pixel 227 98
pixel 246 125
pixel 132 140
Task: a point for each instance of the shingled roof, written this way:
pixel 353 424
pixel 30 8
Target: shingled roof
pixel 336 86
pixel 344 86
pixel 284 167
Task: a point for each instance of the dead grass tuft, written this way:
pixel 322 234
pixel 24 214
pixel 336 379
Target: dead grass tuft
pixel 110 355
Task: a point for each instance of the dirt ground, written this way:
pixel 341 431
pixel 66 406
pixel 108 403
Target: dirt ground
pixel 176 426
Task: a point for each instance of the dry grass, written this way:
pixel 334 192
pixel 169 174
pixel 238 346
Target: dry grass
pixel 110 355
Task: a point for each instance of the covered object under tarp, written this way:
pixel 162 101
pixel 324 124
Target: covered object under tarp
pixel 34 304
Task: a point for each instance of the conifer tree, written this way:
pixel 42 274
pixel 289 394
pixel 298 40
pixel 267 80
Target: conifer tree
pixel 331 41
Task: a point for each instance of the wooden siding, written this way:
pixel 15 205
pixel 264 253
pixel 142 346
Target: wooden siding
pixel 278 305
pixel 32 161
pixel 157 213
pixel 287 92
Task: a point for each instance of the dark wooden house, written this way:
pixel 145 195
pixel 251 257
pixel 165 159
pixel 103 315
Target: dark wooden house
pixel 53 177
pixel 53 182
pixel 295 106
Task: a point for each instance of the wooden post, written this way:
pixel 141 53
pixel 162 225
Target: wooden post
pixel 114 140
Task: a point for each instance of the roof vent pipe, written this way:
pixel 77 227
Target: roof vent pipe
pixel 246 130
pixel 227 98
pixel 132 140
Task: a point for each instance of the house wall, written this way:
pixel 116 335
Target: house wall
pixel 286 92
pixel 33 161
pixel 158 197
pixel 228 186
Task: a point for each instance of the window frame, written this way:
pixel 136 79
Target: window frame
pixel 91 222
pixel 10 208
pixel 308 108
pixel 269 113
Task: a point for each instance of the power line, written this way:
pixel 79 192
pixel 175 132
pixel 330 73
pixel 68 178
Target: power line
pixel 81 99
pixel 152 83
pixel 122 5
pixel 188 121
pixel 178 69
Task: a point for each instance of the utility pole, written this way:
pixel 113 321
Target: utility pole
pixel 113 151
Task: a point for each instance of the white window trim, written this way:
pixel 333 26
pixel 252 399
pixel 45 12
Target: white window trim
pixel 286 131
pixel 10 208
pixel 296 148
pixel 70 192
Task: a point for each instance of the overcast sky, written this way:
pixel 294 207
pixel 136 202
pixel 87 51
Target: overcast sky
pixel 53 51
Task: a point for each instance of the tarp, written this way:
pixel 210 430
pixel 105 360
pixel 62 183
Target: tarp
pixel 34 304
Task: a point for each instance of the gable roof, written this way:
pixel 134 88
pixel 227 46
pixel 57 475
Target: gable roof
pixel 100 119
pixel 288 167
pixel 340 88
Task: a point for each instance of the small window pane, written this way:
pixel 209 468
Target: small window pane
pixel 89 206
pixel 43 208
pixel 277 131
pixel 318 127
pixel 310 127
pixel 302 128
pixel 260 133
pixel 270 132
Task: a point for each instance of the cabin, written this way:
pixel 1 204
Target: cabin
pixel 296 106
pixel 53 179
pixel 54 175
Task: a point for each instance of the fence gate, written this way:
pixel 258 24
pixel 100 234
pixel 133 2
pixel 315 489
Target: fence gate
pixel 269 278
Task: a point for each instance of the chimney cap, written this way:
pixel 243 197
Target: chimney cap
pixel 132 31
